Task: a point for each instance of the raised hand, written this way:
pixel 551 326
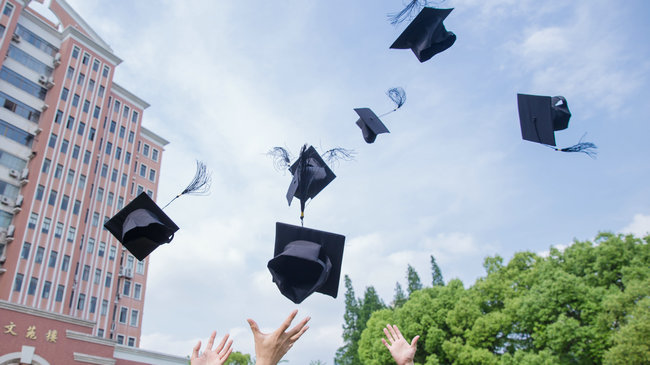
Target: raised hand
pixel 271 347
pixel 399 348
pixel 217 356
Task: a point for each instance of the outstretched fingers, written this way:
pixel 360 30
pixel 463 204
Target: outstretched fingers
pixel 299 328
pixel 195 350
pixel 287 322
pixel 222 343
pixel 414 342
pixel 208 347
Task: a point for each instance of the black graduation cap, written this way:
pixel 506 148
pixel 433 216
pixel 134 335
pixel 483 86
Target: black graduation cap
pixel 426 35
pixel 141 226
pixel 305 261
pixel 310 175
pixel 370 124
pixel 540 116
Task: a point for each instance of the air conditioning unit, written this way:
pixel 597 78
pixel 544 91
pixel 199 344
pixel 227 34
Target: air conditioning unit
pixel 15 38
pixel 5 200
pixel 24 174
pixel 42 79
pixel 37 131
pixel 32 155
pixel 57 59
pixel 3 259
pixel 19 201
pixel 49 83
pixel 16 210
pixel 128 273
pixel 11 230
pixel 14 173
pixel 44 107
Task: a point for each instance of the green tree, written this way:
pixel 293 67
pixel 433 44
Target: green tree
pixel 238 358
pixel 347 354
pixel 588 304
pixel 436 274
pixel 413 280
pixel 400 298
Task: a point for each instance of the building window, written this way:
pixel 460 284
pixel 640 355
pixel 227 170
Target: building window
pixel 100 194
pixel 64 146
pixel 109 199
pixel 124 312
pixel 70 178
pixel 24 254
pixel 101 91
pixel 134 117
pixel 58 117
pixel 52 261
pixel 140 190
pixel 39 192
pixel 120 202
pixel 95 65
pixel 129 262
pixel 131 342
pixel 85 273
pixel 91 134
pixel 80 79
pixel 52 200
pixel 93 304
pixel 46 166
pixel 152 175
pixel 75 151
pixel 143 170
pixel 81 302
pixel 59 293
pixel 118 153
pixel 112 127
pixel 125 113
pixel 72 231
pixel 45 228
pixel 101 249
pixel 137 291
pixel 85 58
pixel 90 248
pixel 65 263
pixel 82 182
pixel 75 52
pixel 97 109
pixel 33 219
pixel 105 71
pixel 127 158
pixel 91 87
pixel 134 317
pixel 46 290
pixel 40 251
pixel 126 289
pixel 64 202
pixel 58 230
pixel 104 170
pixel 52 142
pixel 109 148
pixel 22 83
pixel 154 154
pixel 140 267
pixel 18 283
pixel 145 150
pixel 64 94
pixel 104 309
pixel 8 9
pixel 58 171
pixel 131 136
pixel 120 339
pixel 111 253
pixel 86 106
pixel 75 100
pixel 86 157
pixel 122 131
pixel 98 276
pixel 77 206
pixel 116 106
pixel 114 175
pixel 33 283
pixel 109 278
pixel 70 73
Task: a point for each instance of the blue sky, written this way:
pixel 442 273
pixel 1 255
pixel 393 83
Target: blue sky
pixel 229 80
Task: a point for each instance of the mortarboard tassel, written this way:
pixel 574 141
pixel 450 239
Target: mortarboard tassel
pixel 281 158
pixel 407 13
pixel 200 184
pixel 337 154
pixel 587 148
pixel 398 96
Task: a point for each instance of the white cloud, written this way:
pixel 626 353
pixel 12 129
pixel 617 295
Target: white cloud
pixel 639 227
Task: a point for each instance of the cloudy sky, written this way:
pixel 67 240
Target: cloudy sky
pixel 229 80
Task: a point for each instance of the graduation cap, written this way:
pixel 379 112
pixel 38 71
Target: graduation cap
pixel 540 116
pixel 141 226
pixel 306 261
pixel 310 175
pixel 426 35
pixel 370 123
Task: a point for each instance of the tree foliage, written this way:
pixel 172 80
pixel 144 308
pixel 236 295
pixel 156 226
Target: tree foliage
pixel 238 358
pixel 589 304
pixel 413 280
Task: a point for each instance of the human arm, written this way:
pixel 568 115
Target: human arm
pixel 399 348
pixel 271 347
pixel 217 356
